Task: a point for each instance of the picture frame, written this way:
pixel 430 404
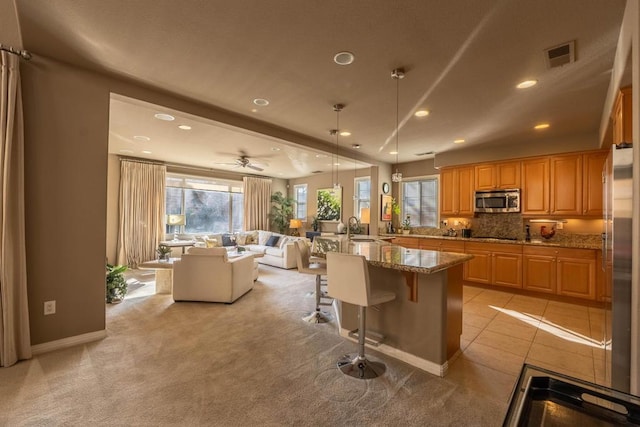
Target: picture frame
pixel 386 208
pixel 329 207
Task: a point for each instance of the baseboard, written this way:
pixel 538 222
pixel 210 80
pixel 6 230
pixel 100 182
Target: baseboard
pixel 411 359
pixel 68 342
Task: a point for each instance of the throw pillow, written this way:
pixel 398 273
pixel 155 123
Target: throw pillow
pixel 263 236
pixel 228 240
pixel 284 240
pixel 241 238
pixel 252 237
pixel 273 241
pixel 211 243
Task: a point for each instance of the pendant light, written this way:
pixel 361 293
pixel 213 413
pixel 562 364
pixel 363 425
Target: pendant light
pixel 337 108
pixel 397 74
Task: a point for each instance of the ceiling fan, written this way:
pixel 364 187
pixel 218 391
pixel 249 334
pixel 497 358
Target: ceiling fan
pixel 244 162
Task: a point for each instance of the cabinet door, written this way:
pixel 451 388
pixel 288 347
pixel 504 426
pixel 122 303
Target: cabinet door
pixel 592 164
pixel 430 244
pixel 478 269
pixel 407 242
pixel 485 177
pixel 539 273
pixel 576 271
pixel 508 175
pixel 566 185
pixel 448 192
pixel 450 246
pixel 465 191
pixel 507 269
pixel 621 117
pixel 535 186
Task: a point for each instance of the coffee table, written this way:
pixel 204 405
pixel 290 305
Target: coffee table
pixel 164 273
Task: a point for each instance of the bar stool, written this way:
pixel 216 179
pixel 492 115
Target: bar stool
pixel 348 281
pixel 319 270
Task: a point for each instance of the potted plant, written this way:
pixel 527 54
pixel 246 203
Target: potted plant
pixel 315 224
pixel 406 225
pixel 281 211
pixel 164 252
pixel 116 284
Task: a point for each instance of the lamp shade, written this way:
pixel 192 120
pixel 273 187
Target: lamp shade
pixel 365 215
pixel 295 223
pixel 176 220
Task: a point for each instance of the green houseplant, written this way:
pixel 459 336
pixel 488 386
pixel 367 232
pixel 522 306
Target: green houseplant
pixel 406 225
pixel 163 252
pixel 281 211
pixel 116 284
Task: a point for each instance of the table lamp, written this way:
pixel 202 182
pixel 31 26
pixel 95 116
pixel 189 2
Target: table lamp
pixel 294 225
pixel 176 220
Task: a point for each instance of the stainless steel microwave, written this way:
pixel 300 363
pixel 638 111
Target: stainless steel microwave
pixel 497 201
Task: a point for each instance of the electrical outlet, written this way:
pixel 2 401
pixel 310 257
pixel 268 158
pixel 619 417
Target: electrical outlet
pixel 444 222
pixel 49 307
pixel 456 223
pixel 559 225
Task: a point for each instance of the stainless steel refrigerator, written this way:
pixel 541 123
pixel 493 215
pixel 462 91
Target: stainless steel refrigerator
pixel 617 262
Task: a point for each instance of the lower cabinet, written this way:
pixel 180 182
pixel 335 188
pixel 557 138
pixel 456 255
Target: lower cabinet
pixel 494 264
pixel 561 271
pixel 442 245
pixel 407 242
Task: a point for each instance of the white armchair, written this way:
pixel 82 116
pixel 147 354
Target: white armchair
pixel 207 274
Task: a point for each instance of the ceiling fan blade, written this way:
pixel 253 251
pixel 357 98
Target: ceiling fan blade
pixel 254 167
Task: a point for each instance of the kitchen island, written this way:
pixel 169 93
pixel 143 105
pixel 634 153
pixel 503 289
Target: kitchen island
pixel 422 326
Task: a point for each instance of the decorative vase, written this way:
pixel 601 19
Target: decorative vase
pixel 340 227
pixel 405 231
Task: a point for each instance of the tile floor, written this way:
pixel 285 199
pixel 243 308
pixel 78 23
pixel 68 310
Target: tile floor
pixel 502 331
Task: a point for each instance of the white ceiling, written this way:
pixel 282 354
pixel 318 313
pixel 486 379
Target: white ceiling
pixel 463 59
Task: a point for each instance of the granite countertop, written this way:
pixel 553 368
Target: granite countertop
pixel 383 254
pixel 576 241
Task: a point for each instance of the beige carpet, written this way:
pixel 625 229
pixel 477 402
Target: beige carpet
pixel 251 363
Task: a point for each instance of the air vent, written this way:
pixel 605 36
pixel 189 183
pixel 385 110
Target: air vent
pixel 560 55
pixel 426 153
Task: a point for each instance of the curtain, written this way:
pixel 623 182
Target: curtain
pixel 15 339
pixel 142 204
pixel 257 203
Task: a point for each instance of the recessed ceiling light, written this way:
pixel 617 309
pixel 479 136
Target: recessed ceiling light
pixel 321 156
pixel 275 149
pixel 393 152
pixel 421 113
pixel 344 58
pixel 356 146
pixel 146 152
pixel 142 138
pixel 254 110
pixel 184 127
pixel 165 117
pixel 541 126
pixel 261 102
pixel 336 164
pixel 345 133
pixel 527 83
pixel 458 141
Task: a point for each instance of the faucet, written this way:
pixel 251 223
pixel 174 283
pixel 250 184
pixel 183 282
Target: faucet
pixel 349 221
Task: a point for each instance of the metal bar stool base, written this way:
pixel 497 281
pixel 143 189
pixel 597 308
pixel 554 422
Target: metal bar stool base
pixel 360 368
pixel 317 317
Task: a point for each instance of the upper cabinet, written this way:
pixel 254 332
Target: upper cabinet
pixel 456 191
pixel 534 197
pixel 566 185
pixel 492 176
pixel 621 116
pixel 592 164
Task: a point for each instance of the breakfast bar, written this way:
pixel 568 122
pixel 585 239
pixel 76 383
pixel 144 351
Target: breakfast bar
pixel 422 326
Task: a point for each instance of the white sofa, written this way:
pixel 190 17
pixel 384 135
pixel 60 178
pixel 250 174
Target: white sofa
pixel 282 255
pixel 207 274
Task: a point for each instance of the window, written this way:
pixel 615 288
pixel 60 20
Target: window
pixel 300 196
pixel 420 201
pixel 209 205
pixel 362 189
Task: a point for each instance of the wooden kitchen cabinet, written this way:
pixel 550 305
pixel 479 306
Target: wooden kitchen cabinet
pixel 495 264
pixel 534 197
pixel 561 271
pixel 407 242
pixel 621 117
pixel 442 245
pixel 490 176
pixel 456 191
pixel 566 185
pixel 592 164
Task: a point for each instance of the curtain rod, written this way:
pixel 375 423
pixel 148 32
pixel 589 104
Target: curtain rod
pixel 137 160
pixel 20 52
